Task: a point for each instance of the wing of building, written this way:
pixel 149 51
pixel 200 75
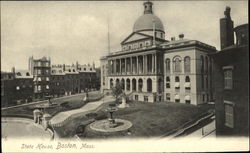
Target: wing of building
pixel 231 79
pixel 151 68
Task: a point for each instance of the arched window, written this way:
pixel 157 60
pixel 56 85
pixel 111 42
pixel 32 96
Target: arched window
pixel 177 64
pixel 177 79
pixel 117 81
pixel 187 79
pixel 167 62
pixel 167 82
pixel 149 85
pixel 134 85
pixel 128 84
pixel 202 64
pixel 140 83
pixel 123 84
pixel 187 64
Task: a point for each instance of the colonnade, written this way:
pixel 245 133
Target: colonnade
pixel 141 64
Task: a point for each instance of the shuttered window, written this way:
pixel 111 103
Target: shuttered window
pixel 228 77
pixel 229 114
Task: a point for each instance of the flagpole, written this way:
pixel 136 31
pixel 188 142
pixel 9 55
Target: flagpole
pixel 108 37
pixel 153 32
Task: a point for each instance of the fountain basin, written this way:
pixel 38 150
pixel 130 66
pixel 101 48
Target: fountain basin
pixel 104 125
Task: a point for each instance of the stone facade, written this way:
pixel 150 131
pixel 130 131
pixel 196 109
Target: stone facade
pixel 141 65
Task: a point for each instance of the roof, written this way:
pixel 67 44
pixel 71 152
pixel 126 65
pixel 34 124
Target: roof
pixel 57 70
pixel 86 68
pixel 146 22
pixel 184 43
pixel 71 70
pixel 23 74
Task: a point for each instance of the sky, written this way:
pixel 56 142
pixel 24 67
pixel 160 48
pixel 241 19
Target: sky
pixel 70 31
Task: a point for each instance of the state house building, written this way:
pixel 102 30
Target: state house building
pixel 151 68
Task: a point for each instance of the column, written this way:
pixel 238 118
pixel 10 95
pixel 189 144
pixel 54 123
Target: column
pixel 125 65
pixel 153 63
pixel 114 66
pixel 146 65
pixel 155 58
pixel 131 66
pixel 120 66
pixel 137 63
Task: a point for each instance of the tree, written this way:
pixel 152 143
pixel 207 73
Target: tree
pixel 117 91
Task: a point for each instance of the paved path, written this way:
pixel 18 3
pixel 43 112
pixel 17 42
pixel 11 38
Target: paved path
pixel 58 119
pixel 16 128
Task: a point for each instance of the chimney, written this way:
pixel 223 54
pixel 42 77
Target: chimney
pixel 13 70
pixel 172 38
pixel 181 36
pixel 63 67
pixel 226 30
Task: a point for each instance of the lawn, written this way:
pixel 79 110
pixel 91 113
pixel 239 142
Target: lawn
pixel 69 103
pixel 152 119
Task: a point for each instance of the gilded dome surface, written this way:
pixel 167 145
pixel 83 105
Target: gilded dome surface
pixel 146 22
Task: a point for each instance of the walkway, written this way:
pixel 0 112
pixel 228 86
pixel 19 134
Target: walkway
pixel 61 117
pixel 16 128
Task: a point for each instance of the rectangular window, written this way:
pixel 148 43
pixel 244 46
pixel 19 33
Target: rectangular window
pixel 39 79
pixel 39 72
pixel 168 96
pixel 167 85
pixel 35 89
pixel 228 77
pixel 146 98
pixel 229 114
pixel 187 101
pixel 39 88
pixel 177 100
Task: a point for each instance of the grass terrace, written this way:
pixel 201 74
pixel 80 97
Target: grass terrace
pixel 152 119
pixel 64 104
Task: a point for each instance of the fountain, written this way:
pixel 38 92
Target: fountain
pixel 111 109
pixel 111 124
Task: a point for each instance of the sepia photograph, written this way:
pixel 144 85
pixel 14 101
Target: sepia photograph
pixel 125 76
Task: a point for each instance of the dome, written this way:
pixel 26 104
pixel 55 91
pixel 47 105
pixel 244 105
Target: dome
pixel 146 22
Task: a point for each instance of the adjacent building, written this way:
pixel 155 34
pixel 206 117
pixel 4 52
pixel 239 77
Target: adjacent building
pixel 151 68
pixel 57 81
pixel 231 79
pixel 73 79
pixel 88 77
pixel 16 87
pixel 7 89
pixel 23 86
pixel 40 69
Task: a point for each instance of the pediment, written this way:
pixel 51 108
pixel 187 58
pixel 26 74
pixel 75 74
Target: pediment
pixel 135 36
